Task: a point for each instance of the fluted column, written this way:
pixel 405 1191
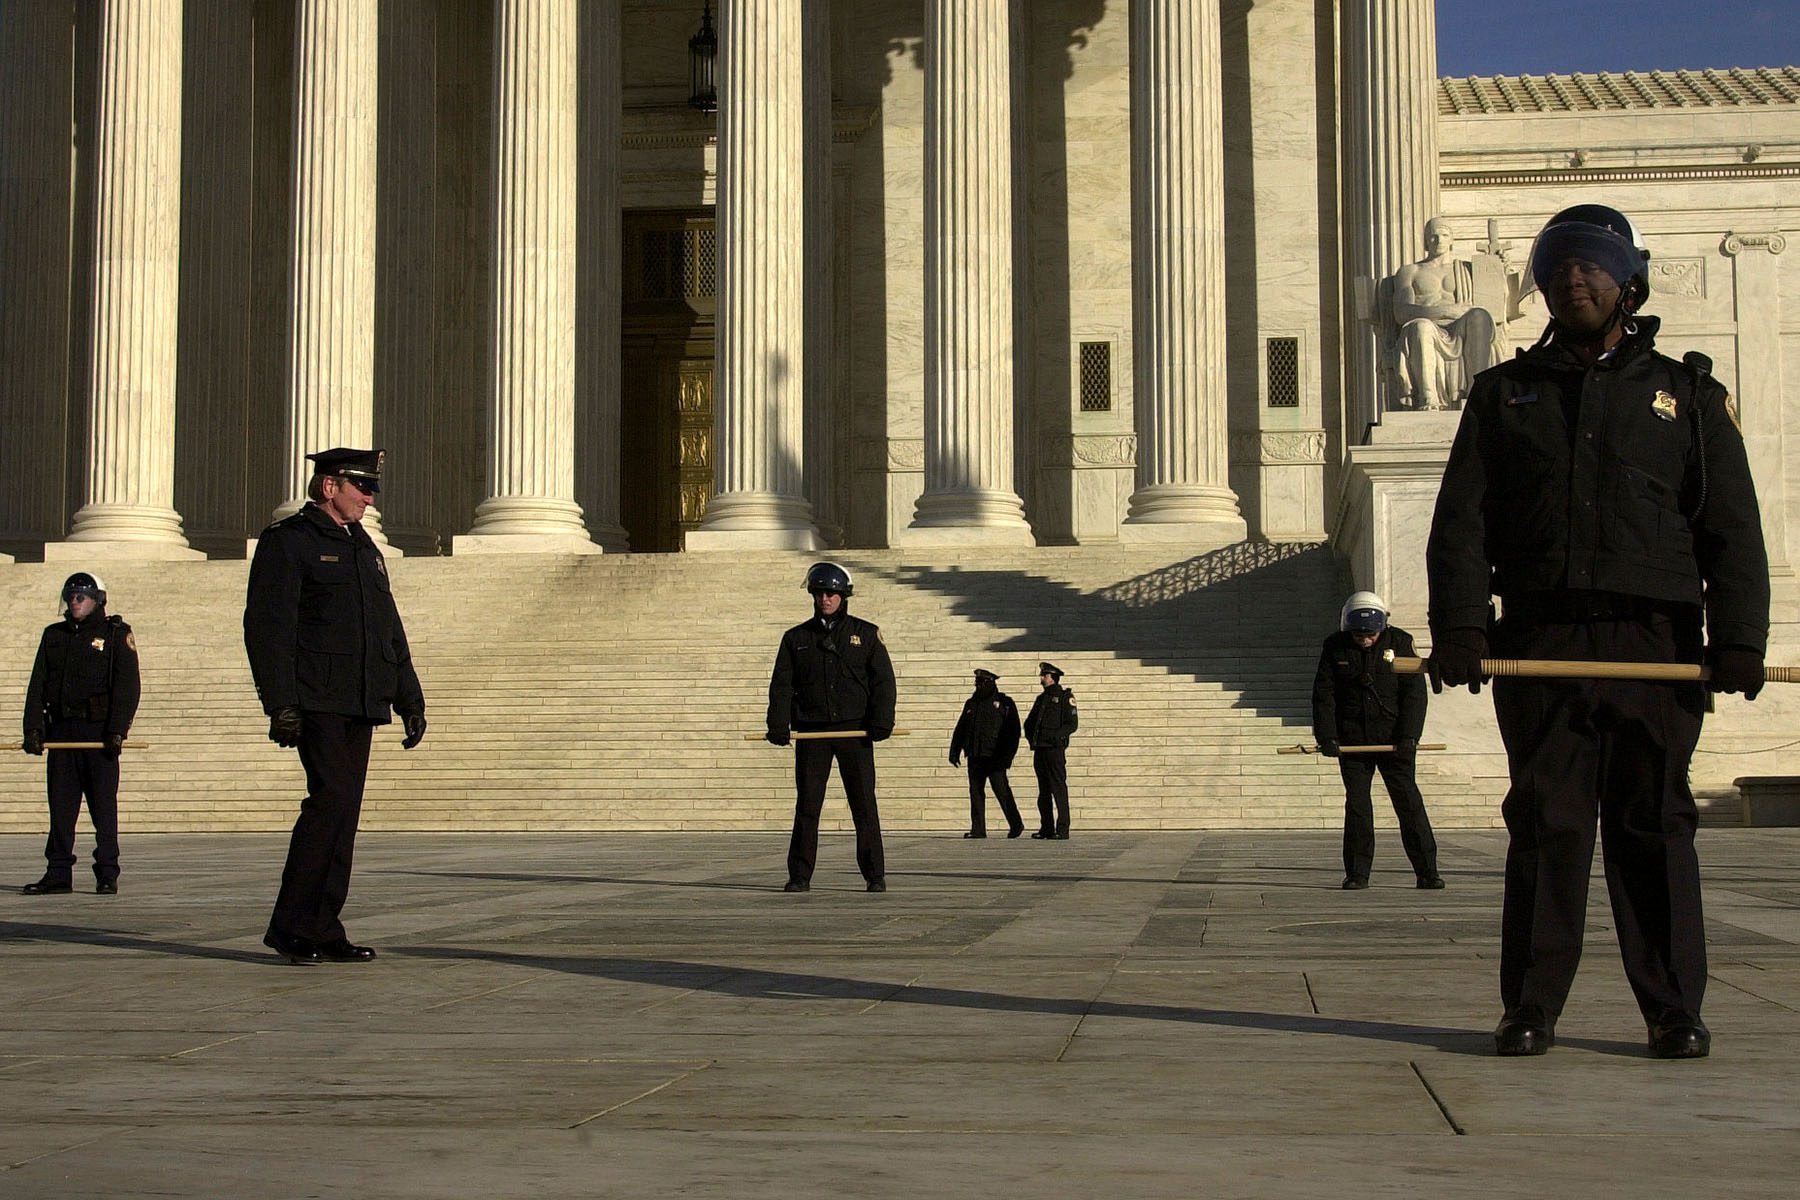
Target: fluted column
pixel 1178 278
pixel 331 307
pixel 821 302
pixel 760 365
pixel 531 432
pixel 969 496
pixel 597 346
pixel 129 508
pixel 1390 158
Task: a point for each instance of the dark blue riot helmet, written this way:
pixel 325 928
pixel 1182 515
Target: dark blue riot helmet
pixel 829 577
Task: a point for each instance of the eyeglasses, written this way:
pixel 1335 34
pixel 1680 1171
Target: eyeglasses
pixel 361 485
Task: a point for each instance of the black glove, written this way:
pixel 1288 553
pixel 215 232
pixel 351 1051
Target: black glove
pixel 880 733
pixel 414 723
pixel 1406 746
pixel 113 744
pixel 1456 656
pixel 955 759
pixel 34 741
pixel 284 726
pixel 1735 669
pixel 777 736
pixel 1328 748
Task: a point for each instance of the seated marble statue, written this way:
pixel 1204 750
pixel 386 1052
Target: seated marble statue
pixel 1444 332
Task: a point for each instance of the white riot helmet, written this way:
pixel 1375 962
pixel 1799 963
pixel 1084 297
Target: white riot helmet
pixel 1363 612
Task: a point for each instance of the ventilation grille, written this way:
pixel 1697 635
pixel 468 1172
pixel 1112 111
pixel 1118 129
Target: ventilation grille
pixel 680 264
pixel 1096 377
pixel 1283 355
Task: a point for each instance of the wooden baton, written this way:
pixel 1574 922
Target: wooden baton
pixel 1550 668
pixel 75 745
pixel 1355 749
pixel 813 735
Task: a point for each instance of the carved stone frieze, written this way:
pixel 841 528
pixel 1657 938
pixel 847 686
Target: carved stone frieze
pixel 1096 450
pixel 890 454
pixel 1280 447
pixel 1684 277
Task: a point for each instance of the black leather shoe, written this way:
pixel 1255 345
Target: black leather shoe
pixel 1354 885
pixel 877 885
pixel 298 951
pixel 1523 1033
pixel 106 887
pixel 1061 835
pixel 46 887
pixel 1013 833
pixel 342 951
pixel 1681 1037
pixel 973 834
pixel 796 885
pixel 1430 883
pixel 1044 835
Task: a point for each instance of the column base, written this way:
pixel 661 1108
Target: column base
pixel 521 543
pixel 371 523
pixel 967 517
pixel 612 539
pixel 120 550
pixel 755 521
pixel 1185 513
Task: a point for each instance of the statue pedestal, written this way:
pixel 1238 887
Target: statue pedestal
pixel 1388 494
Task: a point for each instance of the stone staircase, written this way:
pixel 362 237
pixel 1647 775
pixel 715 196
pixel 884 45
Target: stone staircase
pixel 615 692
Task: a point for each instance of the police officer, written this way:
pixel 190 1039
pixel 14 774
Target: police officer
pixel 1053 718
pixel 1601 490
pixel 84 688
pixel 988 732
pixel 329 657
pixel 1357 699
pixel 832 672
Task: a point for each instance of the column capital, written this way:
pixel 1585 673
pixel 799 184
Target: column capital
pixel 1737 243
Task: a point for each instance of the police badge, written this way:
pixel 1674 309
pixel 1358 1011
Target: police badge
pixel 1663 406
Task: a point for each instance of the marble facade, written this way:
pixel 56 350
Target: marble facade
pixel 1126 311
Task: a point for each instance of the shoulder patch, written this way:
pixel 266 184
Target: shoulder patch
pixel 131 641
pixel 1731 410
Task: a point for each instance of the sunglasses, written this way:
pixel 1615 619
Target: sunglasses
pixel 361 485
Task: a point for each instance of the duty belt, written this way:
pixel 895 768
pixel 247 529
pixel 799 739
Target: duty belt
pixel 1580 608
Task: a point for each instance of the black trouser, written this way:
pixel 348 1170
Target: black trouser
pixel 812 768
pixel 982 773
pixel 1619 748
pixel 1359 813
pixel 316 880
pixel 68 776
pixel 1053 784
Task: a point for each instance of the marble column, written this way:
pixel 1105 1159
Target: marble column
pixel 760 363
pixel 969 497
pixel 1178 279
pixel 1756 289
pixel 331 307
pixel 597 288
pixel 129 509
pixel 531 505
pixel 821 303
pixel 1390 163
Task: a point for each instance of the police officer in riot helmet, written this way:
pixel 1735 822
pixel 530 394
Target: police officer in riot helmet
pixel 988 732
pixel 1601 490
pixel 84 688
pixel 1357 699
pixel 832 674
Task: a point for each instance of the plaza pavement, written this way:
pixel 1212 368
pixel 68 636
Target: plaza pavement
pixel 1123 1014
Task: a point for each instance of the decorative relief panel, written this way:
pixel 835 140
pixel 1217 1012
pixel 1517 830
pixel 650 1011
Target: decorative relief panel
pixel 1096 450
pixel 1280 447
pixel 1678 277
pixel 890 454
pixel 696 447
pixel 696 392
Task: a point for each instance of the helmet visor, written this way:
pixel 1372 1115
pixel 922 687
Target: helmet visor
pixel 1559 244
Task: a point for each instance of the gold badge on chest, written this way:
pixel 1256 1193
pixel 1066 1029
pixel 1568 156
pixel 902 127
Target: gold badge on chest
pixel 1663 406
pixel 99 643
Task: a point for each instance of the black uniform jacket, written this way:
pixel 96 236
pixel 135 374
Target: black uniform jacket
pixel 1627 477
pixel 84 672
pixel 1357 700
pixel 1053 718
pixel 836 677
pixel 988 730
pixel 320 623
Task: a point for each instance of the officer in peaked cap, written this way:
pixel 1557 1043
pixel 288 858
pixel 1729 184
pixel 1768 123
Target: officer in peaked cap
pixel 1053 718
pixel 84 688
pixel 988 732
pixel 330 658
